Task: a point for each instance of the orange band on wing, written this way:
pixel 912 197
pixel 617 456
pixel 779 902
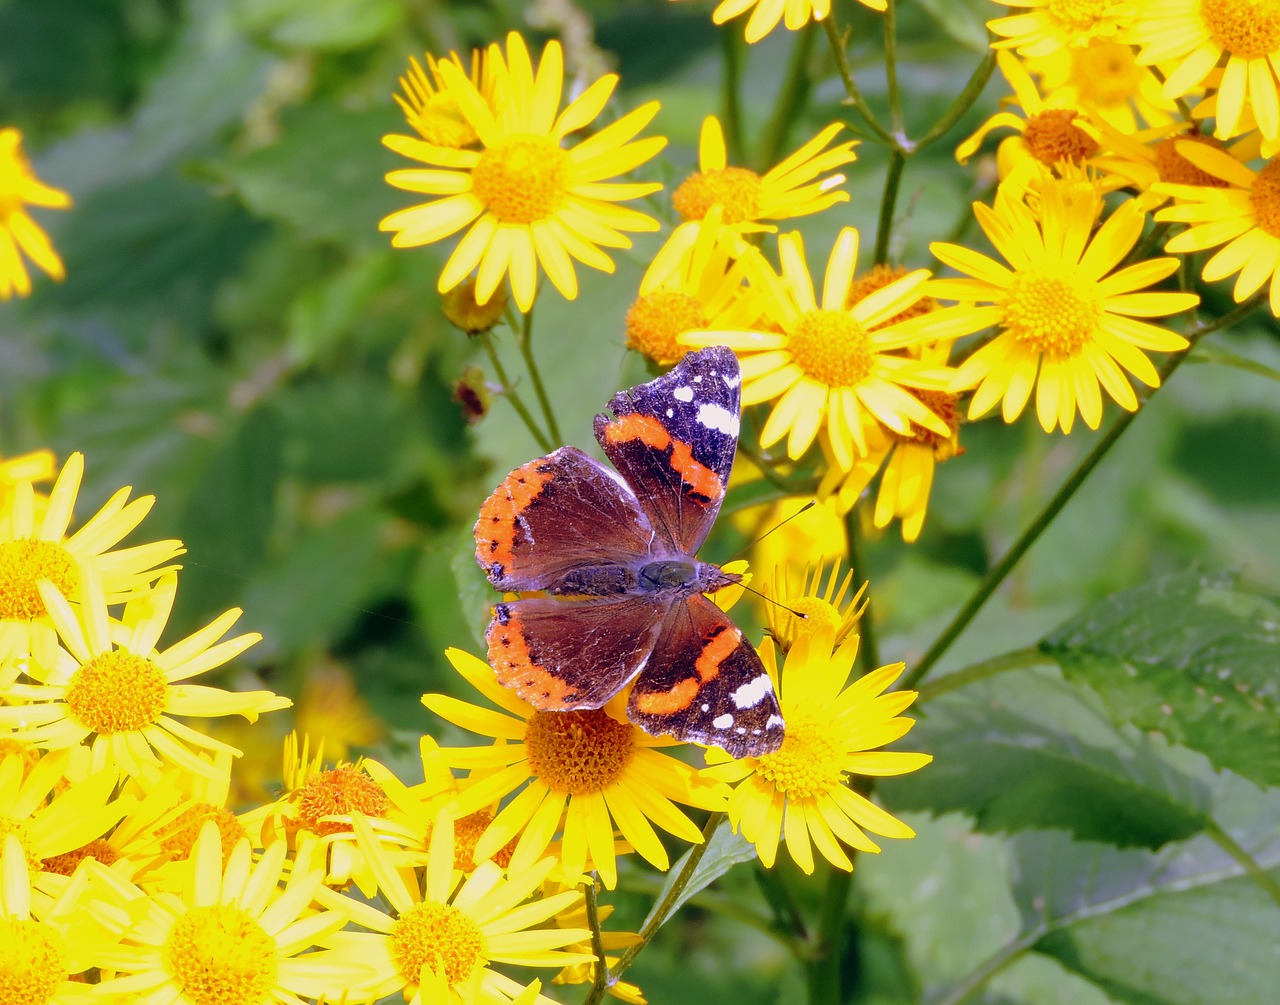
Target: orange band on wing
pixel 677 699
pixel 515 668
pixel 715 652
pixel 649 431
pixel 496 527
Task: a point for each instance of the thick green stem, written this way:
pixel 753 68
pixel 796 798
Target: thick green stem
pixel 855 98
pixel 526 350
pixel 731 92
pixel 791 96
pixel 600 976
pixel 509 392
pixel 890 21
pixel 1019 659
pixel 977 83
pixel 889 204
pixel 824 971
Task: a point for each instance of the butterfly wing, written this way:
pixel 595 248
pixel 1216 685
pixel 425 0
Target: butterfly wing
pixel 558 513
pixel 673 440
pixel 705 684
pixel 562 655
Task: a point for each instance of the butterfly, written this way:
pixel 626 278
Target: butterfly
pixel 614 553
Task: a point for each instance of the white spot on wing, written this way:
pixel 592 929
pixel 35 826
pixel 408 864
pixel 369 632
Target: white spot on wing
pixel 732 380
pixel 706 708
pixel 722 721
pixel 752 692
pixel 683 393
pixel 774 720
pixel 697 379
pixel 670 412
pixel 719 418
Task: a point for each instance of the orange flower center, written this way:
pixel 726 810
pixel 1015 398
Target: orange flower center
pixel 654 321
pixel 808 763
pixel 1052 136
pixel 1265 196
pixel 522 179
pixel 439 937
pixel 219 955
pixel 831 348
pixel 338 792
pixel 1106 73
pixel 737 189
pixel 67 863
pixel 877 278
pixel 33 962
pixel 1051 309
pixel 577 752
pixel 439 120
pixel 946 407
pixel 1176 169
pixel 180 836
pixel 1249 29
pixel 23 564
pixel 467 831
pixel 117 692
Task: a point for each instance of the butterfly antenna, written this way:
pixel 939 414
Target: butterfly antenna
pixel 777 603
pixel 777 526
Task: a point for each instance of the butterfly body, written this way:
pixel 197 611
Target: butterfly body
pixel 614 552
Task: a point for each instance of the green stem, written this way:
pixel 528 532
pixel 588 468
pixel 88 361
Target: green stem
pixel 890 19
pixel 868 644
pixel 509 392
pixel 837 41
pixel 526 350
pixel 888 204
pixel 989 967
pixel 791 96
pixel 996 575
pixel 600 976
pixel 824 971
pixel 731 91
pixel 1263 879
pixel 1016 660
pixel 786 912
pixel 977 83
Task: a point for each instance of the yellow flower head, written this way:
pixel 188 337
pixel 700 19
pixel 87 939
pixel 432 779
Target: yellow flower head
pixel 1067 318
pixel 790 189
pixel 799 588
pixel 527 199
pixel 830 365
pixel 801 793
pixel 110 686
pixel 578 773
pixel 19 188
pixel 330 706
pixel 432 111
pixel 795 14
pixel 1190 39
pixel 1043 27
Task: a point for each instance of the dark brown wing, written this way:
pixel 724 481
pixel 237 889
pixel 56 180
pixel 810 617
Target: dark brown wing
pixel 555 514
pixel 705 684
pixel 560 655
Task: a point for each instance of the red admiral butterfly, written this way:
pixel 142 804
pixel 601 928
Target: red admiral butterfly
pixel 614 550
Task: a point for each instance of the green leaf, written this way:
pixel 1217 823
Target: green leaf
pixel 475 595
pixel 1183 927
pixel 1190 656
pixel 963 20
pixel 333 25
pixel 725 850
pixel 1028 750
pixel 1225 357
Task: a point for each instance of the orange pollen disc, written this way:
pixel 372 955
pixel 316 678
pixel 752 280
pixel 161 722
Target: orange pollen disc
pixel 522 179
pixel 437 936
pixel 1052 137
pixel 877 278
pixel 737 189
pixel 219 955
pixel 24 563
pixel 1177 170
pixel 577 752
pixel 946 407
pixel 66 863
pixel 808 763
pixel 33 962
pixel 654 321
pixel 1051 309
pixel 1249 29
pixel 1265 196
pixel 831 347
pixel 339 791
pixel 180 836
pixel 117 692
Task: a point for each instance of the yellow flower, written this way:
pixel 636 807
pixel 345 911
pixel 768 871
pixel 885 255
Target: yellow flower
pixel 796 525
pixel 1042 27
pixel 830 365
pixel 19 188
pixel 37 548
pixel 330 706
pixel 438 946
pixel 1067 322
pixel 792 188
pixel 580 772
pixel 801 792
pixel 828 606
pixel 232 935
pixel 110 684
pixel 527 199
pixel 1197 36
pixel 431 111
pixel 767 13
pixel 1106 80
pixel 697 280
pixel 584 973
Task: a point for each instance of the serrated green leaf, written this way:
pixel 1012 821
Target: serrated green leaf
pixel 725 850
pixel 1028 750
pixel 1190 656
pixel 1225 357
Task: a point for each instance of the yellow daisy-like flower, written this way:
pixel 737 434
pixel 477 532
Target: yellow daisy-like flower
pixel 584 973
pixel 790 189
pixel 801 793
pixel 799 589
pixel 429 108
pixel 1239 210
pixel 698 280
pixel 1106 80
pixel 578 773
pixel 35 546
pixel 1198 36
pixel 1042 27
pixel 1068 321
pixel 111 687
pixel 527 199
pixel 19 188
pixel 438 946
pixel 831 366
pixel 232 935
pixel 332 707
pixel 765 14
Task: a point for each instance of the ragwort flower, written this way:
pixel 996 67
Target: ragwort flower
pixel 1042 27
pixel 19 188
pixel 526 198
pixel 765 14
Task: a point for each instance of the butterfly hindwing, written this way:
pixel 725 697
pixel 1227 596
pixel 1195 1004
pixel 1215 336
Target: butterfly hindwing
pixel 674 439
pixel 558 513
pixel 705 684
pixel 564 655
